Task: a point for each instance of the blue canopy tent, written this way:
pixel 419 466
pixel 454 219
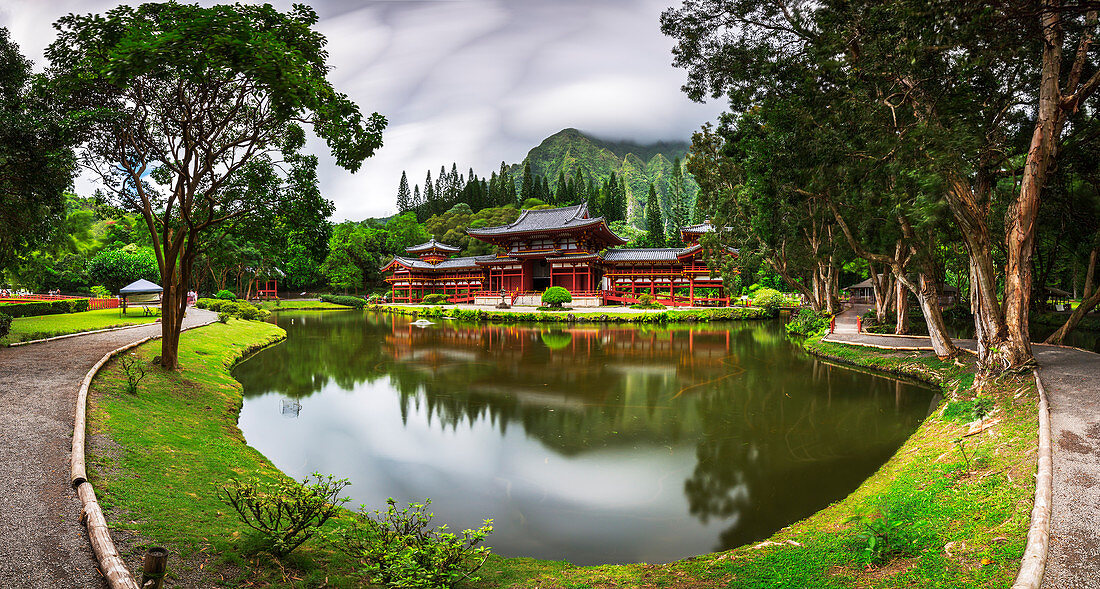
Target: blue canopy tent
pixel 141 289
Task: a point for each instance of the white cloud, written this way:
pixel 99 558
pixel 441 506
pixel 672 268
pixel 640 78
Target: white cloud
pixel 471 81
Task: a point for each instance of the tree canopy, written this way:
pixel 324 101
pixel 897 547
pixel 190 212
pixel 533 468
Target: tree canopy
pixel 192 116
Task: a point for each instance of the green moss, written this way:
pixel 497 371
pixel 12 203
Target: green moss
pixel 578 316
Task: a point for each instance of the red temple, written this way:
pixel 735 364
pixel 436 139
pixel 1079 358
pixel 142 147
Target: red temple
pixel 558 247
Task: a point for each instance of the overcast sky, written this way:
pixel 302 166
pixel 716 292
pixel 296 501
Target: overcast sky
pixel 468 81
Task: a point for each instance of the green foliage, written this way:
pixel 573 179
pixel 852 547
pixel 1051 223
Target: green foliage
pixel 225 295
pixel 5 324
pixel 807 323
pixel 768 299
pixel 46 307
pixel 647 301
pixel 434 299
pixel 670 316
pixel 227 309
pixel 450 227
pixel 967 409
pixel 884 536
pixel 118 267
pixel 36 160
pixel 555 296
pixel 347 301
pixel 134 371
pixel 285 514
pixel 101 292
pixel 398 548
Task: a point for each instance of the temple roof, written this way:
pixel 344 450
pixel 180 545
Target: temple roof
pixel 450 264
pixel 544 220
pixel 704 227
pixel 432 244
pixel 652 254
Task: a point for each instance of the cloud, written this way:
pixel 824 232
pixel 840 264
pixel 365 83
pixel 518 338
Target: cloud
pixel 472 81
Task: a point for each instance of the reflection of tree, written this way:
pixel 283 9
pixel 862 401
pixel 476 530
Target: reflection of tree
pixel 771 456
pixel 778 435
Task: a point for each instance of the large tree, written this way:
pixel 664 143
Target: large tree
pixel 959 85
pixel 36 160
pixel 190 112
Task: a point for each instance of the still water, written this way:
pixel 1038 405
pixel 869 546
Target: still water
pixel 595 444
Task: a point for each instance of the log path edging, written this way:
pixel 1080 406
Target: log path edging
pixel 99 534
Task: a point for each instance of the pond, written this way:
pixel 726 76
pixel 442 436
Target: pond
pixel 594 444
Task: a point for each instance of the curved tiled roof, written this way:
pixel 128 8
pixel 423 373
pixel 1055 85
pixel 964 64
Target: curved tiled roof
pixel 450 264
pixel 430 245
pixel 543 220
pixel 704 227
pixel 651 254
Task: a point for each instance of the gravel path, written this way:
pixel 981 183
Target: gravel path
pixel 1072 381
pixel 42 543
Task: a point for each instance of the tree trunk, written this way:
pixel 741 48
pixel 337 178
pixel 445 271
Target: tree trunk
pixel 902 303
pixel 929 298
pixel 1090 274
pixel 1058 337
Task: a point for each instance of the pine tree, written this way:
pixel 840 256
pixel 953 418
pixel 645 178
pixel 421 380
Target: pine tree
pixel 679 213
pixel 546 195
pixel 528 190
pixel 560 190
pixel 404 197
pixel 654 224
pixel 429 196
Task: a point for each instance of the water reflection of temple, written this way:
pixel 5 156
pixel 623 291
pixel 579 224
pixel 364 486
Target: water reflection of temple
pixel 775 434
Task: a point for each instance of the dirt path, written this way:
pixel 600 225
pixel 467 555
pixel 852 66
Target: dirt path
pixel 42 543
pixel 1072 381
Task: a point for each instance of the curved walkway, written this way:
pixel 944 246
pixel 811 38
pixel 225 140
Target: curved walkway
pixel 42 543
pixel 1071 378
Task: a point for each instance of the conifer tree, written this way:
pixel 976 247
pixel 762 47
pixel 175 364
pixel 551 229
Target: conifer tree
pixel 429 196
pixel 654 224
pixel 560 189
pixel 528 190
pixel 679 213
pixel 417 200
pixel 404 197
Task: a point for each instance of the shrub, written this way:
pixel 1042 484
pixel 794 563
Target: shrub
pixel 224 317
pixel 285 514
pixel 209 304
pixel 347 301
pixel 883 537
pixel 555 296
pixel 101 292
pixel 134 372
pixel 807 323
pixel 5 324
pixel 225 295
pixel 768 299
pixel 375 299
pixel 434 299
pixel 238 309
pixel 46 307
pixel 398 549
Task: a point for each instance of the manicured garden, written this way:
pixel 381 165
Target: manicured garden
pixel 947 510
pixel 43 326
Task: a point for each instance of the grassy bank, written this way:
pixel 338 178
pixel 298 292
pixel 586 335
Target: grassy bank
pixel 156 458
pixel 580 315
pixel 300 306
pixel 163 451
pixel 25 329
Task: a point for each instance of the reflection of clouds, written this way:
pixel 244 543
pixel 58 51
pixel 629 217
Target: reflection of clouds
pixel 622 502
pixel 473 82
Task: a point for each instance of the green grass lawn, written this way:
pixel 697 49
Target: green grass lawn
pixel 300 306
pixel 43 326
pixel 173 442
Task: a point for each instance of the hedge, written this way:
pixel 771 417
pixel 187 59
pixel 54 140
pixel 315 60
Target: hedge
pixel 5 324
pixel 347 301
pixel 45 308
pixel 671 316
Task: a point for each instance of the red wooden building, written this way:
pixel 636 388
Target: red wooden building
pixel 558 247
